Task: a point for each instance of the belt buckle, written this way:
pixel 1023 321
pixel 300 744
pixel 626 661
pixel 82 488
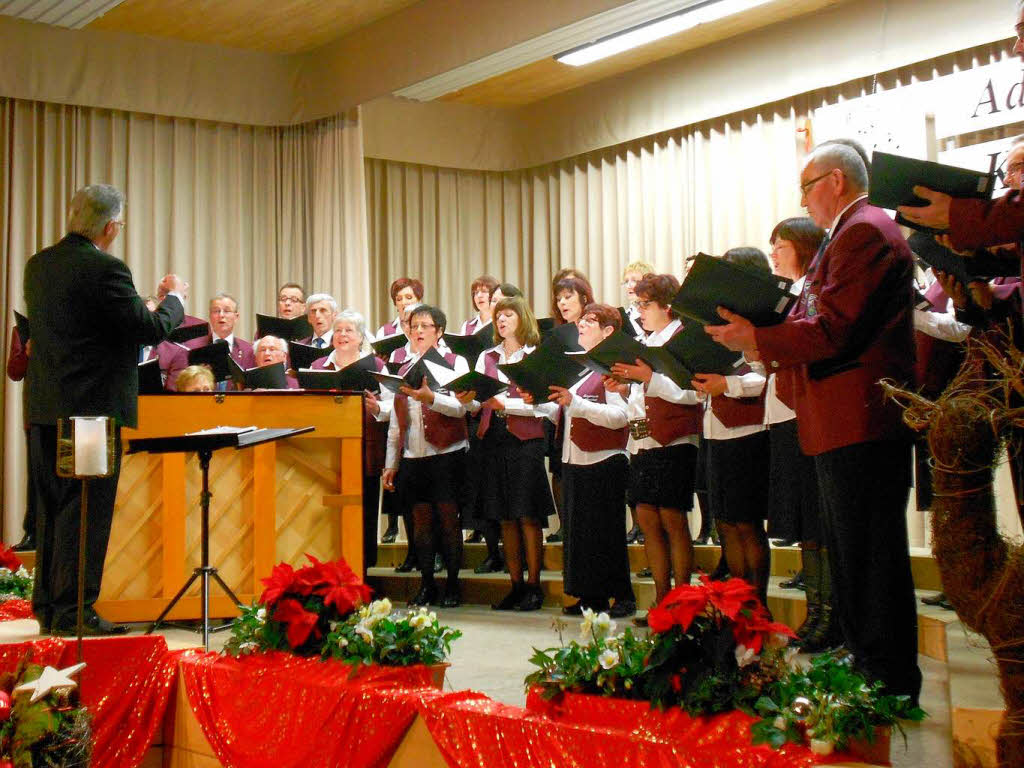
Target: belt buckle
pixel 639 428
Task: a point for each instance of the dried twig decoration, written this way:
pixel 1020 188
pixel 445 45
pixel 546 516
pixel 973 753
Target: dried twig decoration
pixel 982 573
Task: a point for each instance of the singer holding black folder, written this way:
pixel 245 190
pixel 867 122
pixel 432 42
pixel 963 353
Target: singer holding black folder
pixel 87 324
pixel 664 428
pixel 851 328
pixel 514 487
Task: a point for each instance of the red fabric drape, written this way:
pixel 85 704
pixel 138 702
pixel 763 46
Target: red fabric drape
pixel 280 711
pixel 126 685
pixel 16 608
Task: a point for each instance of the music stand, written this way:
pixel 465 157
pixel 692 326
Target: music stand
pixel 204 445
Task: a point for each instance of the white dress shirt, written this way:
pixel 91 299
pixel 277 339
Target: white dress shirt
pixel 941 325
pixel 662 387
pixel 416 445
pixel 612 413
pixel 633 315
pixel 776 411
pixel 514 406
pixel 327 338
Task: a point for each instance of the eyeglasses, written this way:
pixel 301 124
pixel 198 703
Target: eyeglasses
pixel 588 320
pixel 807 185
pixel 288 300
pixel 422 326
pixel 223 311
pixel 644 303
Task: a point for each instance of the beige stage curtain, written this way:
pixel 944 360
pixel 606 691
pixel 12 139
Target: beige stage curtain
pixel 229 207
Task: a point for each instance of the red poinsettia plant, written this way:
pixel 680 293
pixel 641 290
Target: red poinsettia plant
pixel 298 608
pixel 715 647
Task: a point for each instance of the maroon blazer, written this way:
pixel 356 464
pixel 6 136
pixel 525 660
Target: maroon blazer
pixel 983 223
pixel 852 326
pixel 173 360
pixel 937 360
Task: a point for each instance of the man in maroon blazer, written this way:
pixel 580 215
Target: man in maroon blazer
pixel 852 327
pixel 223 316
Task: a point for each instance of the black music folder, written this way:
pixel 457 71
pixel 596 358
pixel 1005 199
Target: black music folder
pixel 150 380
pixel 413 378
pixel 547 366
pixel 215 356
pixel 184 333
pixel 303 355
pixel 893 179
pixel 385 346
pixel 470 346
pixel 759 296
pixel 268 377
pixel 289 329
pixel 627 324
pixel 352 378
pixel 485 386
pixel 981 266
pixel 24 330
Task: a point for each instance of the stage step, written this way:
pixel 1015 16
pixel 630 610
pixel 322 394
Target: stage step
pixel 975 703
pixel 786 605
pixel 785 560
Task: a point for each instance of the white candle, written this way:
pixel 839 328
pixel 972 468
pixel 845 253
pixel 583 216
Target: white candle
pixel 90 446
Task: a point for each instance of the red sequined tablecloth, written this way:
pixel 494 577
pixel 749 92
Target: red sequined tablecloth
pixel 280 711
pixel 126 684
pixel 578 731
pixel 16 608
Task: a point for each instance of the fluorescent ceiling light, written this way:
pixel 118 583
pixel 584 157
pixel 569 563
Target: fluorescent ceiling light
pixel 656 30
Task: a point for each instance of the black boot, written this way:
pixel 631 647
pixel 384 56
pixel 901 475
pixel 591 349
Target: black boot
pixel 825 633
pixel 511 600
pixel 721 570
pixel 493 563
pixel 426 595
pixel 812 585
pixel 532 599
pixel 408 565
pixel 633 533
pixel 391 533
pixel 797 582
pixel 438 563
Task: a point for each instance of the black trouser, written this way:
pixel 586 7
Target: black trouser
pixel 29 523
pixel 55 594
pixel 371 498
pixel 864 493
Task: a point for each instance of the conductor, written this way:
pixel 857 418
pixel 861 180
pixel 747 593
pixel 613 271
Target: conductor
pixel 87 323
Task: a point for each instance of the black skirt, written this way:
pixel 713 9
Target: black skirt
pixel 430 480
pixel 513 481
pixel 663 477
pixel 596 563
pixel 738 478
pixel 794 509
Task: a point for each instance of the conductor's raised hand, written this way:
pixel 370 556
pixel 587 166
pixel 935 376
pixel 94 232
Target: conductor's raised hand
pixel 422 394
pixel 935 215
pixel 737 334
pixel 560 395
pixel 171 284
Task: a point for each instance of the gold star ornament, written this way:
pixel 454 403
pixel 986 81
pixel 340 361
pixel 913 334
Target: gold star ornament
pixel 50 680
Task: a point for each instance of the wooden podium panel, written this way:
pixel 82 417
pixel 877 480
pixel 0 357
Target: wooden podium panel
pixel 271 503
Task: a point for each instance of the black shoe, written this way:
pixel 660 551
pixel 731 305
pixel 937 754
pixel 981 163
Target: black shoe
pixel 390 534
pixel 721 571
pixel 576 609
pixel 438 563
pixel 644 573
pixel 797 582
pixel 511 601
pixel 93 625
pixel 936 600
pixel 491 564
pixel 476 537
pixel 622 609
pixel 426 596
pixel 532 599
pixel 640 621
pixel 633 533
pixel 27 544
pixel 640 538
pixel 554 538
pixel 784 543
pixel 946 606
pixel 452 595
pixel 407 566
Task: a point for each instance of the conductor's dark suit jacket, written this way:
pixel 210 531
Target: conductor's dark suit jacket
pixel 87 324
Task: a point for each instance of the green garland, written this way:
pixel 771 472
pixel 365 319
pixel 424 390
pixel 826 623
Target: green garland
pixel 53 732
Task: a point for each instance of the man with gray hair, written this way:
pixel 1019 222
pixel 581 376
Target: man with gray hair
pixel 851 327
pixel 270 350
pixel 321 308
pixel 87 322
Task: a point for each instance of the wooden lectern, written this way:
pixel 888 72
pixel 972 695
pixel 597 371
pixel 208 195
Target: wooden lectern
pixel 273 503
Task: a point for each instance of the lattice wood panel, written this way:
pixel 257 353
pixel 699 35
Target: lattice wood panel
pixel 304 524
pixel 231 479
pixel 132 568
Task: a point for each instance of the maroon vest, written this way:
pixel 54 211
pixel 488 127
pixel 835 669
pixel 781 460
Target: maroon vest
pixel 670 421
pixel 937 360
pixel 439 430
pixel 399 355
pixel 739 411
pixel 523 427
pixel 591 437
